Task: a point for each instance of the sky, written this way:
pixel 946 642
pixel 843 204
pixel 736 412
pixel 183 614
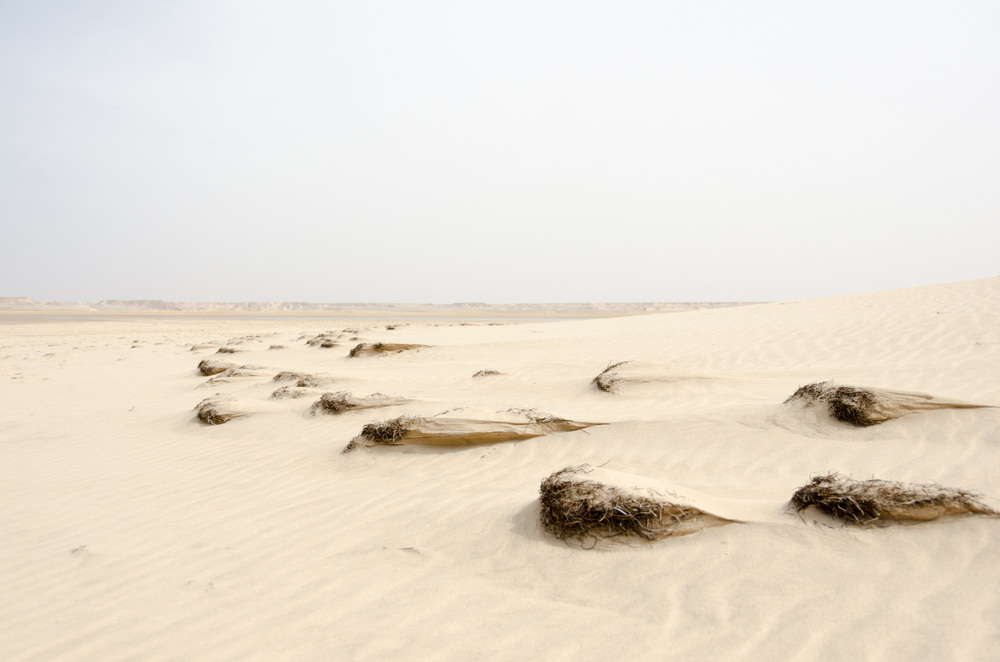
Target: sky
pixel 499 152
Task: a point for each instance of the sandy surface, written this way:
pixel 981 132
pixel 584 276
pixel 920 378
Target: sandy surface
pixel 134 532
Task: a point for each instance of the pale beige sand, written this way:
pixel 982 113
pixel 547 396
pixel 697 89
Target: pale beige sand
pixel 133 532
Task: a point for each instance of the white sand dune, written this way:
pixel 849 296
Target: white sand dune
pixel 134 532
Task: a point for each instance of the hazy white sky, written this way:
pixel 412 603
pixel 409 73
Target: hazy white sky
pixel 429 151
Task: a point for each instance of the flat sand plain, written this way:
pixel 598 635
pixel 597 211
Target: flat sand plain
pixel 132 531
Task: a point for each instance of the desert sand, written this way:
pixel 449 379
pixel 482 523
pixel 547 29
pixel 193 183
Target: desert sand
pixel 133 531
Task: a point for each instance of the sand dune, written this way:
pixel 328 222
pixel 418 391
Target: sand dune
pixel 134 531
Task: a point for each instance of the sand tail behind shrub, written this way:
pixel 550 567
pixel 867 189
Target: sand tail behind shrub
pixel 445 431
pixel 587 505
pixel 868 502
pixel 863 406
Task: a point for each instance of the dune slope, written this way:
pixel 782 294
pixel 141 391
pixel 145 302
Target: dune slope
pixel 134 531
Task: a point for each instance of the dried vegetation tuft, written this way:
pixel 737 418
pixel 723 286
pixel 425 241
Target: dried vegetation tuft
pixel 217 410
pixel 864 407
pixel 209 367
pixel 609 380
pixel 364 349
pixel 301 379
pixel 444 431
pixel 576 508
pixel 870 502
pixel 381 432
pixel 324 340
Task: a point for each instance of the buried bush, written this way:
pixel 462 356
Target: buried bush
pixel 291 392
pixel 302 380
pixel 209 367
pixel 381 348
pixel 609 379
pixel 235 373
pixel 218 409
pixel 341 401
pixel 864 407
pixel 445 431
pixel 324 340
pixel 381 432
pixel 868 502
pixel 576 507
pixel 618 376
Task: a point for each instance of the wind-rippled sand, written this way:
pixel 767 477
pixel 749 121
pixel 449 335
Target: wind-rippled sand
pixel 131 531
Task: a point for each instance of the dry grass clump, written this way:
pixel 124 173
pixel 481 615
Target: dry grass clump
pixel 234 372
pixel 217 410
pixel 609 380
pixel 291 392
pixel 334 403
pixel 487 373
pixel 341 401
pixel 210 367
pixel 324 340
pixel 865 407
pixel 617 376
pixel 226 350
pixel 574 507
pixel 869 502
pixel 301 379
pixel 204 345
pixel 381 348
pixel 387 433
pixel 442 431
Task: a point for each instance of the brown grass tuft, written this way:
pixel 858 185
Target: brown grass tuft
pixel 335 403
pixel 381 348
pixel 869 502
pixel 210 367
pixel 324 340
pixel 576 508
pixel 291 392
pixel 864 407
pixel 341 401
pixel 608 381
pixel 443 431
pixel 382 432
pixel 301 379
pixel 217 410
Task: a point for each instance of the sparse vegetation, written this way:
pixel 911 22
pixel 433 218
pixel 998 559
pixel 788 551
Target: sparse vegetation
pixel 210 367
pixel 381 348
pixel 341 401
pixel 291 392
pixel 869 502
pixel 217 410
pixel 443 431
pixel 864 407
pixel 609 380
pixel 574 507
pixel 334 403
pixel 302 380
pixel 324 340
